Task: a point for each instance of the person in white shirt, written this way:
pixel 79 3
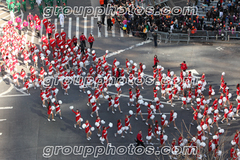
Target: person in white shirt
pixel 12 16
pixel 61 17
pixel 38 2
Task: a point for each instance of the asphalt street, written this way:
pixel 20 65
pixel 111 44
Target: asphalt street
pixel 24 128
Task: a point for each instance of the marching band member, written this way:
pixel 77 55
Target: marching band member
pixel 104 133
pixel 150 115
pixel 98 125
pixel 150 135
pixel 139 112
pixel 117 104
pixel 88 129
pixel 78 118
pixel 127 124
pixel 50 111
pixel 15 78
pixel 173 116
pixel 94 106
pixel 58 110
pixel 131 99
pixel 120 129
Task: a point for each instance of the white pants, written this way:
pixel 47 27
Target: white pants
pixel 12 16
pixel 61 21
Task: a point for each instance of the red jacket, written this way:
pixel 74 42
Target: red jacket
pixel 139 137
pixel 184 66
pixel 45 22
pixel 155 60
pixel 83 38
pixel 63 35
pixel 52 42
pixel 90 39
pixel 74 40
pixel 49 30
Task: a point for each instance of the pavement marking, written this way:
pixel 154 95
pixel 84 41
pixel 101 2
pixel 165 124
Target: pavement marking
pixel 16 95
pixel 7 22
pixel 8 15
pixel 127 96
pixel 2 120
pixel 77 27
pixel 85 26
pixel 219 48
pixel 10 107
pixel 121 32
pixel 3 12
pixel 129 48
pixel 92 24
pixel 69 27
pixel 113 31
pixel 152 113
pixel 26 35
pixel 7 91
pixel 105 27
pixel 0 134
pixel 33 33
pixel 55 23
pixel 193 71
pixel 41 30
pixel 10 88
pixel 99 33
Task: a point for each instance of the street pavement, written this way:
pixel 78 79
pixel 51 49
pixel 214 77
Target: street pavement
pixel 25 131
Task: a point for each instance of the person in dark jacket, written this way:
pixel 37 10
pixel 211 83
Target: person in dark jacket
pixel 139 139
pixel 103 19
pixel 109 23
pixel 155 38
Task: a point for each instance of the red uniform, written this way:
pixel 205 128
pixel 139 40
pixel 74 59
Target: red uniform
pixel 88 126
pixel 104 133
pixel 127 121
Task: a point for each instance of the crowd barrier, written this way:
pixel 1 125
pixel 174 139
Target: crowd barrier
pixel 203 36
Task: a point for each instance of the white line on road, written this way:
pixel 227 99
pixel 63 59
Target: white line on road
pixel 152 113
pixel 7 22
pixel 113 31
pixel 3 12
pixel 8 15
pixel 33 33
pixel 219 48
pixel 55 23
pixel 10 88
pixel 77 27
pixel 2 120
pixel 193 71
pixel 121 32
pixel 92 24
pixel 14 95
pixel 99 33
pixel 129 48
pixel 10 107
pixel 41 30
pixel 0 134
pixel 7 91
pixel 69 27
pixel 85 26
pixel 105 26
